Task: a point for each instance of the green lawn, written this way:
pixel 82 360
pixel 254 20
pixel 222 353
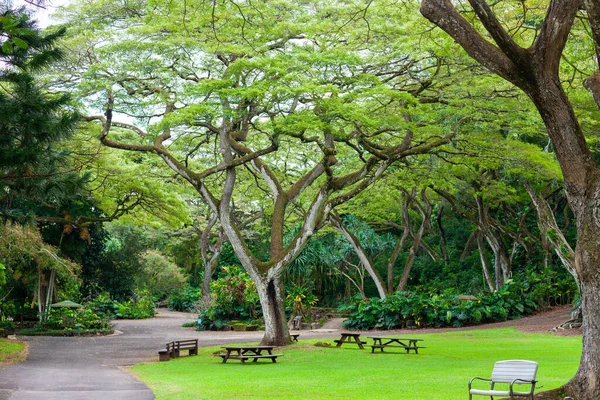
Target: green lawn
pixel 11 350
pixel 440 371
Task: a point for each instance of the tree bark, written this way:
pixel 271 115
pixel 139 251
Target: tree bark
pixel 484 263
pixel 502 268
pixel 364 258
pixel 426 215
pixel 535 71
pixel 442 231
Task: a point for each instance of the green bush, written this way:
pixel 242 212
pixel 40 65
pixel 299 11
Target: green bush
pixel 299 300
pixel 104 306
pixel 69 320
pixel 184 300
pixel 139 308
pixel 234 297
pixel 399 310
pixel 6 328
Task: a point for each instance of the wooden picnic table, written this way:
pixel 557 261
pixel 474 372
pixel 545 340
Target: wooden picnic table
pixel 351 338
pixel 244 353
pixel 380 342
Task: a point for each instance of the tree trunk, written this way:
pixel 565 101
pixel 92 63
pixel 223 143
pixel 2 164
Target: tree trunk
pixel 426 215
pixel 438 219
pixel 364 258
pixel 502 268
pixel 551 232
pixel 484 264
pixel 270 293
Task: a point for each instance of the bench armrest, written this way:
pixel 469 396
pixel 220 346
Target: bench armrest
pixel 480 379
pixel 523 382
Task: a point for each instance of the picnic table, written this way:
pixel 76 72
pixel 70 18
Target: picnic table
pixel 244 353
pixel 380 342
pixel 294 336
pixel 351 338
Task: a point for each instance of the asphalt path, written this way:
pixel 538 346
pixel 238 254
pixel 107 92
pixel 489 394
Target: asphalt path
pixel 94 368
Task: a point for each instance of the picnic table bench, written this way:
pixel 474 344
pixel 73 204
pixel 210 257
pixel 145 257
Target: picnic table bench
pixel 380 342
pixel 173 349
pixel 244 353
pixel 294 336
pixel 350 338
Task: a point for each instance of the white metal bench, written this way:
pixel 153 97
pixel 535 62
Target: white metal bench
pixel 510 372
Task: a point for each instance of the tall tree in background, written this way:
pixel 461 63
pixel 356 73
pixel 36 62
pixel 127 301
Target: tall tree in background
pixel 535 70
pixel 32 121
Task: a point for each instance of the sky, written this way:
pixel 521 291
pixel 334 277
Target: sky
pixel 43 16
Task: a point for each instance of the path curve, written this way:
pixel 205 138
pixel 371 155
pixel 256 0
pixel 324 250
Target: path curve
pixel 94 368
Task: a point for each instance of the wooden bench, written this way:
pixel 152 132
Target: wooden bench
pixel 294 336
pixel 510 373
pixel 173 349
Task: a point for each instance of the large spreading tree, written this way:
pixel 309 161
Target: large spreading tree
pixel 532 63
pixel 280 106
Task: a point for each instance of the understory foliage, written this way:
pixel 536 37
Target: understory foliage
pixel 184 300
pixel 516 298
pixel 158 275
pixel 67 322
pixel 234 297
pixel 140 306
pixel 31 267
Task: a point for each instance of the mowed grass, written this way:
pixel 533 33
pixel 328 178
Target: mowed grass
pixel 439 371
pixel 11 351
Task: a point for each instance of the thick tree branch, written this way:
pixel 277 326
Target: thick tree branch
pixel 443 14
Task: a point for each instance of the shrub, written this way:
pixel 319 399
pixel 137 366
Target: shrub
pixel 104 306
pixel 68 319
pixel 512 300
pixel 139 308
pixel 158 275
pixel 184 300
pixel 234 297
pixel 299 299
pixel 6 328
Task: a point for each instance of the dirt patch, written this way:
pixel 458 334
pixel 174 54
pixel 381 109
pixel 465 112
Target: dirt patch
pixel 540 323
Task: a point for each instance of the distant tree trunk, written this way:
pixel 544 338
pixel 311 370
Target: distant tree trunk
pixel 489 229
pixel 443 242
pixel 502 268
pixel 364 258
pixel 393 258
pixel 555 239
pixel 484 263
pixel 210 258
pixel 425 211
pixel 536 71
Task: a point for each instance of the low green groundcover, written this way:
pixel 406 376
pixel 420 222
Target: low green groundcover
pixel 440 371
pixel 65 332
pixel 10 350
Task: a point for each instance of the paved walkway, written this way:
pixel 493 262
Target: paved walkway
pixel 91 368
